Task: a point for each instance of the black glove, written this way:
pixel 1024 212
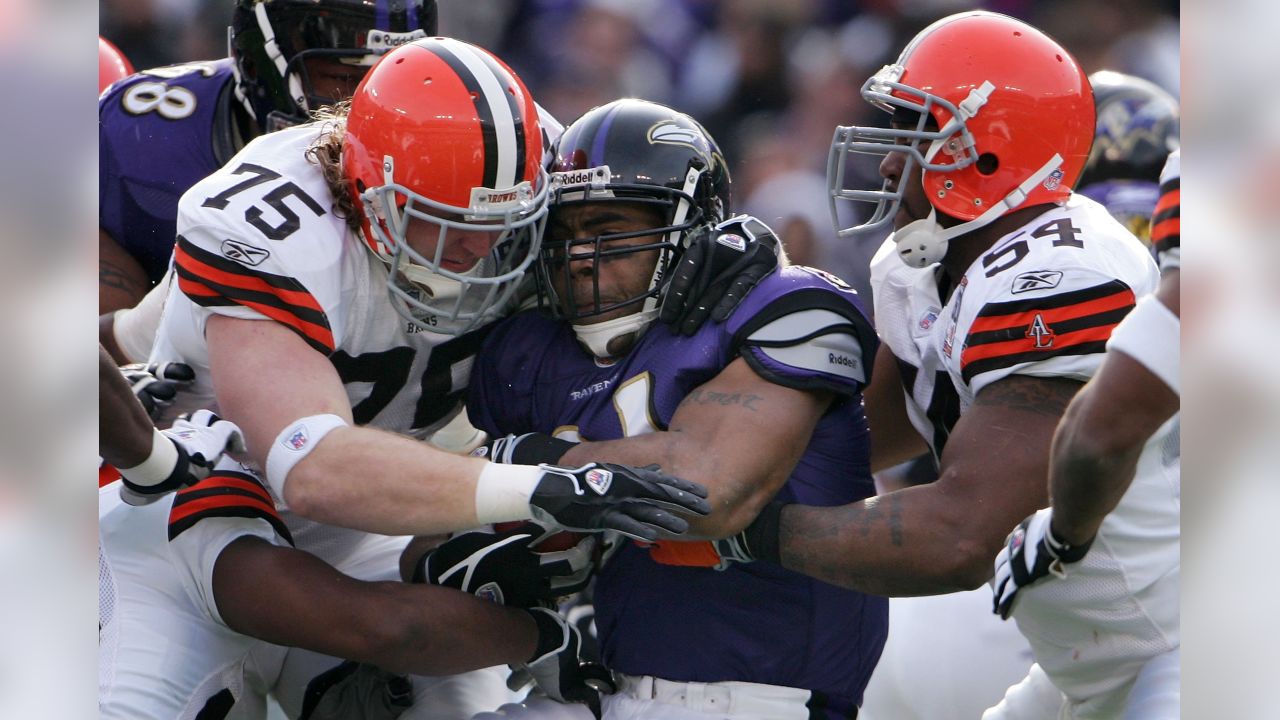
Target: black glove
pixel 556 668
pixel 526 449
pixel 1031 554
pixel 604 496
pixel 357 690
pixel 506 566
pixel 719 267
pixel 157 384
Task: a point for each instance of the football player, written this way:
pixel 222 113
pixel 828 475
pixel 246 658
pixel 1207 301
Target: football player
pixel 334 283
pixel 1093 579
pixel 995 296
pixel 1137 125
pixel 168 127
pixel 169 651
pixel 765 404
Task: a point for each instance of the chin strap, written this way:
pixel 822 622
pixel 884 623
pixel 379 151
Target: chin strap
pixel 924 242
pixel 596 337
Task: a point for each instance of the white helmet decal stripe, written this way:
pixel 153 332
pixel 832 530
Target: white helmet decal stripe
pixel 503 120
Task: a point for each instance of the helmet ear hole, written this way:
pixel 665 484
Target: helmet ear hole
pixel 988 163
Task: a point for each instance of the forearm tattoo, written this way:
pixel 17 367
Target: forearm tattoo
pixel 112 276
pixel 706 397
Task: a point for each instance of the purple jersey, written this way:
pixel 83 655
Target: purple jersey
pixel 758 622
pixel 159 132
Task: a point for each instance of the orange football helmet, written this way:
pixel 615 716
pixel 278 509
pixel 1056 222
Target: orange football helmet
pixel 994 112
pixel 112 64
pixel 443 136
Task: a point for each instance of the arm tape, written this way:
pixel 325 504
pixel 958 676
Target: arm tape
pixel 503 492
pixel 1150 335
pixel 159 465
pixel 294 443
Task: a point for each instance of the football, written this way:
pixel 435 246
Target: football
pixel 553 542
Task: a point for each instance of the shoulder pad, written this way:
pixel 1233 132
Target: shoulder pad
pixel 812 335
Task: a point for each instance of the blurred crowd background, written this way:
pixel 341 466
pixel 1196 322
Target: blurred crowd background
pixel 769 79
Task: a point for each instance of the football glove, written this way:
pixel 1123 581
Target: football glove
pixel 604 496
pixel 157 384
pixel 556 668
pixel 357 690
pixel 526 449
pixel 507 568
pixel 1031 554
pixel 201 439
pixel 718 268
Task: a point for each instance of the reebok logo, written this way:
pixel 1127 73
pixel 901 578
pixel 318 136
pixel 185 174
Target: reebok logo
pixel 243 252
pixel 1036 280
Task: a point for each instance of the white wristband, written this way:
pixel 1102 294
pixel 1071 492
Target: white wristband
pixel 159 464
pixel 503 492
pixel 1150 335
pixel 295 442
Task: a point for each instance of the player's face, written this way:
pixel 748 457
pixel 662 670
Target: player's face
pixel 462 248
pixel 620 277
pixel 333 79
pixel 915 204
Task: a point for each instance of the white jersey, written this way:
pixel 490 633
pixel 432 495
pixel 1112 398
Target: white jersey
pixel 1095 631
pixel 259 239
pixel 164 651
pixel 1041 302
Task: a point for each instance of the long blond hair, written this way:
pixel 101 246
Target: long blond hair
pixel 326 153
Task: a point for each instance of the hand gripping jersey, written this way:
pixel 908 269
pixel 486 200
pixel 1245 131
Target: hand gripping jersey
pixel 1042 301
pixel 757 623
pixel 158 133
pixel 259 239
pixel 164 651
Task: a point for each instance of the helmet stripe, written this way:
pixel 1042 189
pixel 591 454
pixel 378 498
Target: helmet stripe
pixel 496 119
pixel 596 158
pixel 517 116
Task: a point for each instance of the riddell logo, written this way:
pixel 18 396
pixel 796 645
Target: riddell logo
pixel 844 360
pixel 382 40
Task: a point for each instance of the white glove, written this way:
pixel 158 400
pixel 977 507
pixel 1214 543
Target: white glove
pixel 198 441
pixel 1031 554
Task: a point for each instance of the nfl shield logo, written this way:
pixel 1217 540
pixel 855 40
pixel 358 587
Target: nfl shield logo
pixel 490 591
pixel 599 480
pixel 298 440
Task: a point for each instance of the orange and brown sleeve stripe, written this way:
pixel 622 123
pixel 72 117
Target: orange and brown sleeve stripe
pixel 211 280
pixel 1071 323
pixel 1166 221
pixel 224 494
